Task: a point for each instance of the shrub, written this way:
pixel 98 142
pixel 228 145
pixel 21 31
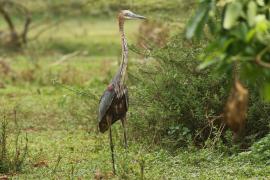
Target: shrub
pixel 174 99
pixel 175 104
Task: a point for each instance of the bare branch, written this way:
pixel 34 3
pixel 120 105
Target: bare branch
pixel 7 18
pixel 66 57
pixel 16 38
pixel 25 30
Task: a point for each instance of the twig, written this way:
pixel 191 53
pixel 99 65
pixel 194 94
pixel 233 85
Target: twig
pixel 78 92
pixel 157 88
pixel 65 58
pixel 259 60
pixel 209 124
pixel 46 28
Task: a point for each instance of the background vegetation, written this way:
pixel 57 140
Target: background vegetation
pixel 50 89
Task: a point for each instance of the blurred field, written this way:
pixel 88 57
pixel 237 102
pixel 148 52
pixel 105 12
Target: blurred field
pixel 82 55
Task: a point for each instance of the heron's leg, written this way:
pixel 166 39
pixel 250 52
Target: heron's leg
pixel 123 120
pixel 109 121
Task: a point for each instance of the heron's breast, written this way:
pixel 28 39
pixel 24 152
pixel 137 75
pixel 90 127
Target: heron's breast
pixel 110 87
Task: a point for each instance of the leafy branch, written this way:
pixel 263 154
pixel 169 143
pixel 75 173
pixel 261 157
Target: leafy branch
pixel 242 30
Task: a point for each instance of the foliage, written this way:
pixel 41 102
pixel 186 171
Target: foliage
pixel 174 100
pixel 258 117
pixel 259 152
pixel 240 33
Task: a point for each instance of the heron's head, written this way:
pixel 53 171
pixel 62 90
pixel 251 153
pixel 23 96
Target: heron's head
pixel 127 14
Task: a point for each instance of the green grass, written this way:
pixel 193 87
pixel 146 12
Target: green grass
pixel 62 125
pixel 88 153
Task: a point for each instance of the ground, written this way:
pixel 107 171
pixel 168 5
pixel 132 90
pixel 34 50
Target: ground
pixel 46 86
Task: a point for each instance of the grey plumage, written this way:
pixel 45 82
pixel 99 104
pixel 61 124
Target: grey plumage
pixel 108 104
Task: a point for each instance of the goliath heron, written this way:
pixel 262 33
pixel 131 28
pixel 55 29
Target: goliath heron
pixel 113 104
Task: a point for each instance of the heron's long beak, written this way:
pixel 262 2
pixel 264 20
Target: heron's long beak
pixel 136 16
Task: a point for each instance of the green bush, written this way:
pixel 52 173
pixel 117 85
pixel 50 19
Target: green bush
pixel 175 104
pixel 173 99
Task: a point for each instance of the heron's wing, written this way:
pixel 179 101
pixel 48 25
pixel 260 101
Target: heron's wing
pixel 104 103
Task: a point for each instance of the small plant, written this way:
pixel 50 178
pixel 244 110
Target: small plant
pixel 142 167
pixel 59 158
pixel 11 160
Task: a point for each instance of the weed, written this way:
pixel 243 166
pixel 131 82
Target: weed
pixel 12 160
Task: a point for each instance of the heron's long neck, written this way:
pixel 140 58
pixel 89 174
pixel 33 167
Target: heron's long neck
pixel 120 76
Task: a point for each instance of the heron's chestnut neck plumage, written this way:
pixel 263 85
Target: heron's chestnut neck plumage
pixel 124 61
pixel 120 75
pixel 121 21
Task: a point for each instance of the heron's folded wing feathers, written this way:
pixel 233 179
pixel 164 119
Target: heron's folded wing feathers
pixel 105 102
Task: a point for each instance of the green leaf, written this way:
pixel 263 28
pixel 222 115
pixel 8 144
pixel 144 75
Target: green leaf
pixel 260 2
pixel 250 35
pixel 210 61
pixel 212 25
pixel 195 26
pixel 240 32
pixel 205 64
pixel 233 12
pixel 266 92
pixel 251 13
